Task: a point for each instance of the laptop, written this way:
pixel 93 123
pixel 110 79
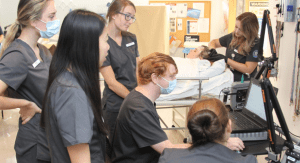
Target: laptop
pixel 249 123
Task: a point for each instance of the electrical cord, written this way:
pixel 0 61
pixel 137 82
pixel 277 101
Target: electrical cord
pixel 289 131
pixel 228 90
pixel 294 135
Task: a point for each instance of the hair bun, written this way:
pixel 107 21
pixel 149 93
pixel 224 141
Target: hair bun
pixel 205 127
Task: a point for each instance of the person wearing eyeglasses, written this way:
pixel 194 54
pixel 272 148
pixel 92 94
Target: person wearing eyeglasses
pixel 119 69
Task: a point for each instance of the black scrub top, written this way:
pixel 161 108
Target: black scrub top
pixel 208 153
pixel 137 128
pixel 234 55
pixel 122 59
pixel 69 120
pixel 21 70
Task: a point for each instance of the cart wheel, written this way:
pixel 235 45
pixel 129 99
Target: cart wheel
pixel 173 126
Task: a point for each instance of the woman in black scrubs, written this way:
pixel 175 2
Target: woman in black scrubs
pixel 119 69
pixel 242 47
pixel 210 128
pixel 24 68
pixel 72 114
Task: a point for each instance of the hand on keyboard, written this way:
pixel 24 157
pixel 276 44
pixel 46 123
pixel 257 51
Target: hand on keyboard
pixel 235 144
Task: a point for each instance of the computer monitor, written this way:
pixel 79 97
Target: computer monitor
pixel 254 101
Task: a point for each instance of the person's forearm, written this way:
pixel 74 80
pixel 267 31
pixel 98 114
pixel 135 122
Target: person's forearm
pixel 79 153
pixel 181 145
pixel 241 67
pixel 212 44
pixel 1 38
pixel 159 147
pixel 119 89
pixel 11 103
pixel 109 77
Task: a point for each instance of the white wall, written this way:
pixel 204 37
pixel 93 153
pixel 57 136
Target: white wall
pixel 286 65
pixel 8 9
pixel 8 12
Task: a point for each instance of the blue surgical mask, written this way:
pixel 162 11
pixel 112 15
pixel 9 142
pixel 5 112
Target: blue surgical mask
pixel 171 87
pixel 52 28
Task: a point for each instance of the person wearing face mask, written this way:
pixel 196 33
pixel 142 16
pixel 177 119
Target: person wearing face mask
pixel 119 69
pixel 72 114
pixel 138 136
pixel 241 47
pixel 24 68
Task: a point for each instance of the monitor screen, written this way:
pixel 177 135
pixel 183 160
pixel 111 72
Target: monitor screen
pixel 254 101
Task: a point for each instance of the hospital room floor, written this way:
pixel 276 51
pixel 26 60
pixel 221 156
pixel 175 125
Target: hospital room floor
pixel 8 133
pixel 9 129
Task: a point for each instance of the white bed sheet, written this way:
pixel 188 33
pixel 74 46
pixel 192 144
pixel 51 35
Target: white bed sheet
pixel 219 78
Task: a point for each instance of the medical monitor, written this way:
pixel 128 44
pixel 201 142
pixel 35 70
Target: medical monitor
pixel 254 101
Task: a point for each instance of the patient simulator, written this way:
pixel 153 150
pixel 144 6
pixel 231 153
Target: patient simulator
pixel 213 77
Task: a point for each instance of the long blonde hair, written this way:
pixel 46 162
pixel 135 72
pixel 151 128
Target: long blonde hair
pixel 249 25
pixel 28 10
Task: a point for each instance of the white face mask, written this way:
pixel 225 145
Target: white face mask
pixel 52 28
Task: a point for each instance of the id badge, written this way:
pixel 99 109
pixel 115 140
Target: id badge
pixel 36 63
pixel 129 44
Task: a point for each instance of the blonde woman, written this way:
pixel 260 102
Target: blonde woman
pixel 242 46
pixel 24 68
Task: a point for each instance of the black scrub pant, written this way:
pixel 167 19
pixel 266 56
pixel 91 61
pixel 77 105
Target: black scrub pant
pixel 110 119
pixel 30 156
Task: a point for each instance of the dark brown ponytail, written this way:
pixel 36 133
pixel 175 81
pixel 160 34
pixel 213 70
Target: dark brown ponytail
pixel 207 121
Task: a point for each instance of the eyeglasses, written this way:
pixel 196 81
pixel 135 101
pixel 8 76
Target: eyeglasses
pixel 128 17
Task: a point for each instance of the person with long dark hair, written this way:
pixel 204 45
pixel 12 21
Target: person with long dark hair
pixel 72 114
pixel 24 68
pixel 210 128
pixel 1 36
pixel 119 69
pixel 241 47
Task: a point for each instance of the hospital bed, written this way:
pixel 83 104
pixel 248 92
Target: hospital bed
pixel 181 99
pixel 191 85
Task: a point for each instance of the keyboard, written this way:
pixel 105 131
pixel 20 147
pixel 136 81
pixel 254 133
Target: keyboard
pixel 240 122
pixel 251 136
